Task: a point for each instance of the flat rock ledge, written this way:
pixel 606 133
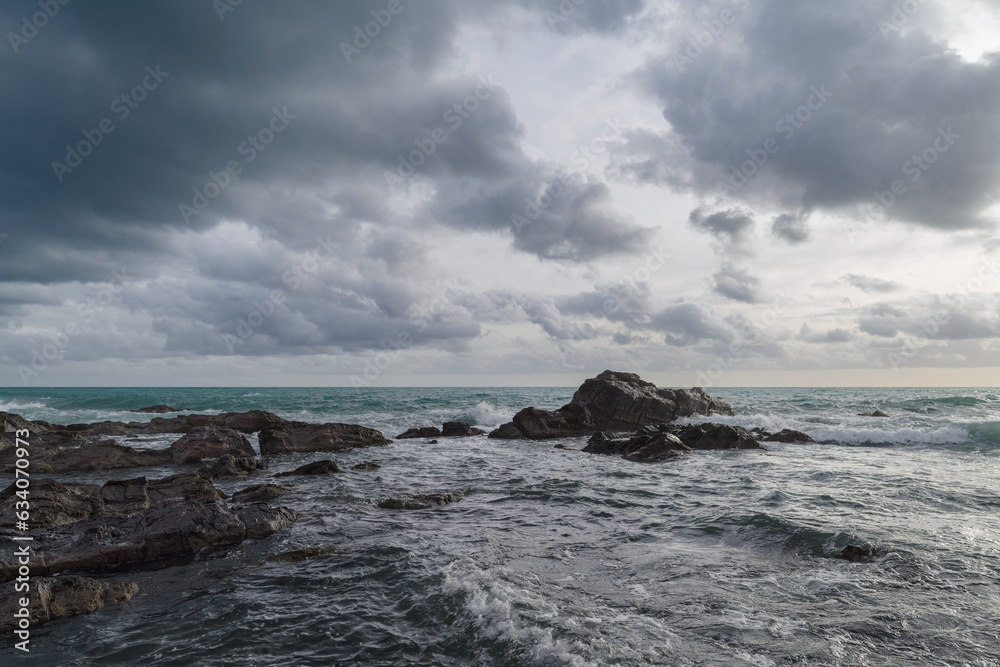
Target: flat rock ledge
pixel 51 599
pixel 613 401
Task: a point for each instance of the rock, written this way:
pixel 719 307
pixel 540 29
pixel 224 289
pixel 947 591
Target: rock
pixel 460 429
pixel 210 442
pixel 259 493
pixel 367 465
pixel 649 445
pixel 11 423
pixel 51 599
pixel 189 486
pixel 167 529
pixel 858 553
pixel 156 410
pixel 716 436
pixel 419 502
pixel 302 437
pixel 262 520
pixel 244 422
pixel 230 467
pixel 53 503
pixel 612 401
pixel 787 435
pixel 432 442
pixel 315 468
pixel 425 432
pixel 86 455
pixel 877 413
pixel 298 555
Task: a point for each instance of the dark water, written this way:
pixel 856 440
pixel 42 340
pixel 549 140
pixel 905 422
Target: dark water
pixel 556 557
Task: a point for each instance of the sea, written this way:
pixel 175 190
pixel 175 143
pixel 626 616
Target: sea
pixel 558 557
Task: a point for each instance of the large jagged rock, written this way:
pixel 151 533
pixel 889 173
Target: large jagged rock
pixel 422 432
pixel 244 422
pixel 210 442
pixel 613 401
pixel 303 437
pixel 460 430
pixel 263 520
pixel 259 493
pixel 51 599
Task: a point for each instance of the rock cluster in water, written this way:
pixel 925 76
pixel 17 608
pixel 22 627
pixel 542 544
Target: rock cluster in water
pixel 141 522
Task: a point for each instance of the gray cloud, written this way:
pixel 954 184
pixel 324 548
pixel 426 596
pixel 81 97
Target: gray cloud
pixel 791 227
pixel 737 283
pixel 872 285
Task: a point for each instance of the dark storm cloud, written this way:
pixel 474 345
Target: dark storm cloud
pixel 729 227
pixel 791 227
pixel 828 112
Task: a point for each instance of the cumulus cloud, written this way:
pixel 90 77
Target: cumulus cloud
pixel 737 283
pixel 872 285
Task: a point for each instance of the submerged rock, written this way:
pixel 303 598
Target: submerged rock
pixel 298 555
pixel 155 410
pixel 51 599
pixel 858 553
pixel 613 401
pixel 367 465
pixel 424 432
pixel 421 502
pixel 302 437
pixel 210 442
pixel 876 413
pixel 315 468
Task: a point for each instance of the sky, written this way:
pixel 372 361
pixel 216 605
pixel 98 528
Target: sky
pixel 499 192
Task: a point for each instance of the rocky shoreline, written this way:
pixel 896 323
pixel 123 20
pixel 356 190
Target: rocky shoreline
pixel 105 529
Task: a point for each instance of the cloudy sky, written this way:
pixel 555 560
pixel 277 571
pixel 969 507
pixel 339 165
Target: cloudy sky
pixel 487 192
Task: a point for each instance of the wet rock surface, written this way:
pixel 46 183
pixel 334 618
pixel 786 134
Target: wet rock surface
pixel 302 437
pixel 231 467
pixel 210 442
pixel 420 502
pixel 51 599
pixel 325 467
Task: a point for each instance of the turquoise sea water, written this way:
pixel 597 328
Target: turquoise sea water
pixel 557 557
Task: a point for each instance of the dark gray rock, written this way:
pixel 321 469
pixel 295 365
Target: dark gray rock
pixel 858 553
pixel 262 520
pixel 315 468
pixel 876 413
pixel 259 493
pixel 367 465
pixel 716 436
pixel 787 435
pixel 230 467
pixel 460 429
pixel 302 437
pixel 51 599
pixel 155 410
pixel 425 432
pixel 210 442
pixel 612 401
